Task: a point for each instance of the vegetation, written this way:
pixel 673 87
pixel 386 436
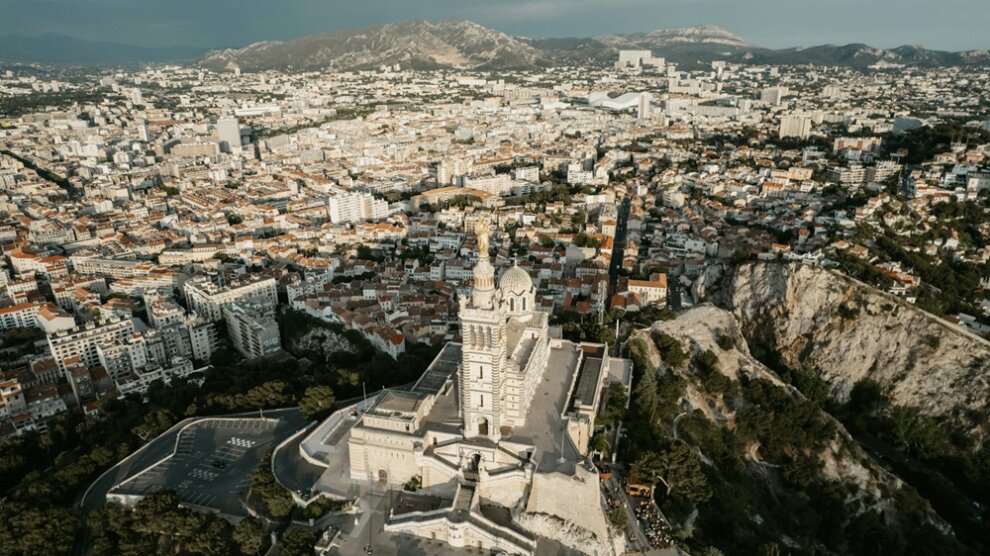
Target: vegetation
pixel 267 496
pixel 679 469
pixel 159 524
pixel 345 370
pixel 297 541
pixel 17 105
pixel 322 506
pixel 317 401
pixel 923 143
pixel 768 465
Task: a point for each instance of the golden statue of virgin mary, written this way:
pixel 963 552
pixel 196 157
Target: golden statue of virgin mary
pixel 481 232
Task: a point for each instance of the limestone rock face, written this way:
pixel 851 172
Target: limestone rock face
pixel 320 342
pixel 844 460
pixel 849 331
pixel 698 330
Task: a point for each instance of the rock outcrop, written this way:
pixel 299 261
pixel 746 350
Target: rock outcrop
pixel 320 342
pixel 848 331
pixel 710 328
pixel 699 330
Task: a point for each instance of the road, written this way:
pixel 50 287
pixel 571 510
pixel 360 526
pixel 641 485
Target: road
pixel 618 248
pixel 638 541
pixel 293 471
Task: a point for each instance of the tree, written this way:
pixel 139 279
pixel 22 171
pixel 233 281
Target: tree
pixel 866 397
pixel 316 401
pixel 646 394
pixel 269 394
pixel 670 350
pixel 297 542
pixel 915 433
pixel 598 442
pixel 33 531
pixel 223 358
pixel 249 536
pixel 155 422
pixel 614 406
pixel 617 517
pixel 679 469
pixel 212 538
pixel 276 500
pixel 708 362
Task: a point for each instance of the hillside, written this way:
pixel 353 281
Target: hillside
pixel 849 332
pixel 780 474
pixel 910 388
pixel 412 44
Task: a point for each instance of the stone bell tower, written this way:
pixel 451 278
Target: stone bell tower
pixel 483 351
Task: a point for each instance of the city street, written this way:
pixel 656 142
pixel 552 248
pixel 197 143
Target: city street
pixel 618 247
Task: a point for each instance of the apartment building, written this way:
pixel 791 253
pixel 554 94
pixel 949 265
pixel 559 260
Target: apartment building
pixel 47 316
pixel 252 329
pixel 83 342
pixel 207 297
pixel 355 207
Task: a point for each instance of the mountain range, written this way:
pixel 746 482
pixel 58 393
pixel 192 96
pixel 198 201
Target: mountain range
pixel 460 44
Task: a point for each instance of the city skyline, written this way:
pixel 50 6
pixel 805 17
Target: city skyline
pixel 223 23
pixel 449 286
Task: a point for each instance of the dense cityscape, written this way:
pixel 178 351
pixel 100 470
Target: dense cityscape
pixel 642 306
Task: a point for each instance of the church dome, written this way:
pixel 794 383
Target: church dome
pixel 515 280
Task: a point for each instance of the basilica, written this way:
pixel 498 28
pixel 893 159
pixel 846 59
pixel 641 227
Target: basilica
pixel 489 448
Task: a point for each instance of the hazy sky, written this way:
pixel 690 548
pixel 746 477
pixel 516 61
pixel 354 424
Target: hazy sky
pixel 941 24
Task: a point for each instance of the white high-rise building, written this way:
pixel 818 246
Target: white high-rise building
pixel 773 95
pixel 356 207
pixel 638 59
pixel 81 345
pixel 795 125
pixel 229 132
pixel 252 329
pixel 645 110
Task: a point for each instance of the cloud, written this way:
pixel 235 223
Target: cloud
pixel 947 24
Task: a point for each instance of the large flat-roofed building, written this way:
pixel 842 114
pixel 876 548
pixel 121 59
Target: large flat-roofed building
pixel 355 207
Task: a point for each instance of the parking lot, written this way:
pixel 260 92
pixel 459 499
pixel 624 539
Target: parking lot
pixel 212 463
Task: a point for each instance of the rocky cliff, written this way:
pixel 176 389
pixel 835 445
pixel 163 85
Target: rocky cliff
pixel 847 331
pixel 699 330
pixel 756 435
